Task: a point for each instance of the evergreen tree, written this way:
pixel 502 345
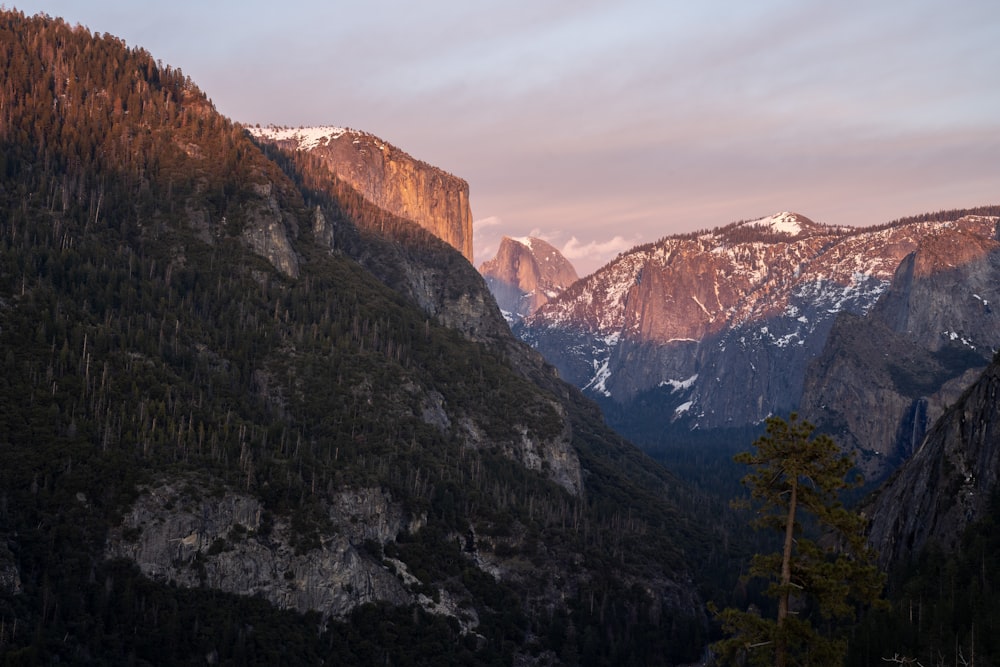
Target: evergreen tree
pixel 816 582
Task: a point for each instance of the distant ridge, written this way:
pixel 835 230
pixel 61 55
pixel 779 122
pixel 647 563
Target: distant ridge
pixel 720 328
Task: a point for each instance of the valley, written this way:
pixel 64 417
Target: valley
pixel 259 407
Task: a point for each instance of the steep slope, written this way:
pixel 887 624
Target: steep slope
pixel 525 274
pixel 717 329
pixel 882 380
pixel 219 381
pixel 387 177
pixel 406 257
pixel 947 484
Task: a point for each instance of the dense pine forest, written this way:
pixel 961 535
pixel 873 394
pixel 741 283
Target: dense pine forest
pixel 144 339
pixel 182 307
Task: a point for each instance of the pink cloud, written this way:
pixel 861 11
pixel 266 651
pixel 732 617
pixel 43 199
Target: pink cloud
pixel 588 256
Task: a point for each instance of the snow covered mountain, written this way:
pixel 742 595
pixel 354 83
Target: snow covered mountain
pixel 525 274
pixel 718 329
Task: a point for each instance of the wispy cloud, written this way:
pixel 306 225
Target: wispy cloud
pixel 551 236
pixel 490 221
pixel 596 252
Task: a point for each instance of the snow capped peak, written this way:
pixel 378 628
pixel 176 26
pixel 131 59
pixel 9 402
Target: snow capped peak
pixel 785 222
pixel 523 240
pixel 306 138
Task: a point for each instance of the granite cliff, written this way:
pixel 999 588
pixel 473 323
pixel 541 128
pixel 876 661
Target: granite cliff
pixel 387 177
pixel 882 380
pixel 948 482
pixel 525 274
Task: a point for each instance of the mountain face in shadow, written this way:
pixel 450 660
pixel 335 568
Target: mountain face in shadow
pixel 248 415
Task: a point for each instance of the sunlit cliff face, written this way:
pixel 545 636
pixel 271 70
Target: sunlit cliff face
pixel 388 177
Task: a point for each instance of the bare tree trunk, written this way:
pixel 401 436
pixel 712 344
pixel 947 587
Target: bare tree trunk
pixel 786 575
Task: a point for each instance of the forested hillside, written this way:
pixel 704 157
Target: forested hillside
pixel 190 324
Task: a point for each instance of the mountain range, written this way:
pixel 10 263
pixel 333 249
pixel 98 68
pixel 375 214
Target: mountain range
pixel 720 329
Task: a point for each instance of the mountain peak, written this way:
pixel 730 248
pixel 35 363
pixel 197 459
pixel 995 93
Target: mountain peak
pixel 533 243
pixel 526 272
pixel 785 222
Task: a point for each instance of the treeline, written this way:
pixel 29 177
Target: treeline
pixel 944 215
pixel 104 134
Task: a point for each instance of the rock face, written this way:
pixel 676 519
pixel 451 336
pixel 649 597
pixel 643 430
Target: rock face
pixel 883 379
pixel 228 542
pixel 553 457
pixel 947 483
pixel 718 329
pixel 525 274
pixel 388 178
pixel 267 231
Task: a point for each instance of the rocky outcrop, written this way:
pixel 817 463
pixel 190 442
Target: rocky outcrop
pixel 229 542
pixel 525 274
pixel 947 483
pixel 267 230
pixel 447 288
pixel 388 178
pixel 551 456
pixel 550 453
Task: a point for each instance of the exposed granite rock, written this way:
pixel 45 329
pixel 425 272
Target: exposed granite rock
pixel 322 229
pixel 947 483
pixel 266 231
pixel 225 541
pixel 525 274
pixel 946 291
pixel 389 178
pixel 455 295
pixel 883 379
pixel 553 456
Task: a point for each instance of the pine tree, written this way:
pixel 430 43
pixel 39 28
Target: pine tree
pixel 816 582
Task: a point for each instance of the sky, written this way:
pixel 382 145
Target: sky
pixel 599 125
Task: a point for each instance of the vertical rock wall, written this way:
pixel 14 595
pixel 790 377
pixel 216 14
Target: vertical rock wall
pixel 389 178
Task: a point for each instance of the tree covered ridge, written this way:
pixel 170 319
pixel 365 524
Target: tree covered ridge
pixel 104 133
pixel 141 338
